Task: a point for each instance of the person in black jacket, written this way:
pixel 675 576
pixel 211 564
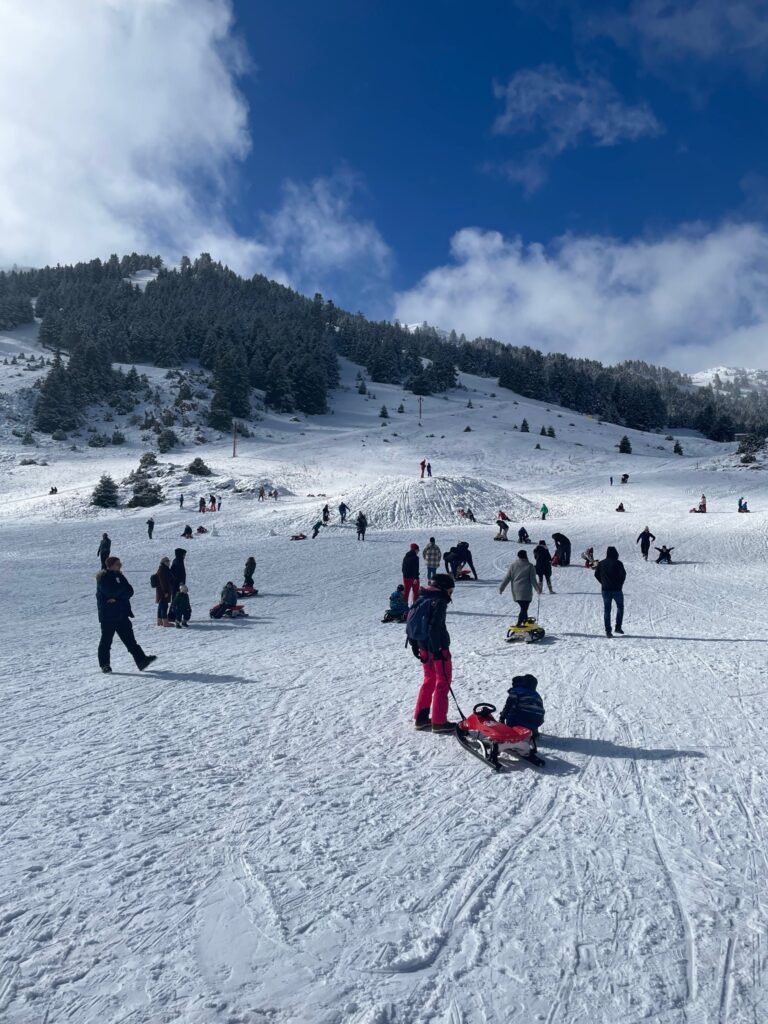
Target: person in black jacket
pixel 178 569
pixel 250 569
pixel 543 561
pixel 411 573
pixel 563 547
pixel 150 527
pixel 644 540
pixel 113 600
pixel 610 574
pixel 362 525
pixel 103 549
pixel 462 556
pixel 435 656
pixel 665 555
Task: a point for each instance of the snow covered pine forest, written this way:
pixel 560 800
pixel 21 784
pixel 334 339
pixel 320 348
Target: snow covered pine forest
pixel 252 830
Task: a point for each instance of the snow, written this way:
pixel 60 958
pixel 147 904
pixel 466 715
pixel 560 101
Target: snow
pixel 252 830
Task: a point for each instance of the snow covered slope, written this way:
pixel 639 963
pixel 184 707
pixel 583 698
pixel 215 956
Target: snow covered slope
pixel 252 831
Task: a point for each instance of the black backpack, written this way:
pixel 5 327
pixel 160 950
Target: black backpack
pixel 154 580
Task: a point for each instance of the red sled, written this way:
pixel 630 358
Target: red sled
pixel 487 739
pixel 464 574
pixel 555 559
pixel 247 591
pixel 299 536
pixel 219 611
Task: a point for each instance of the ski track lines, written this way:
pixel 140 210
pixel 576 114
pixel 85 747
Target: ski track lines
pixel 253 831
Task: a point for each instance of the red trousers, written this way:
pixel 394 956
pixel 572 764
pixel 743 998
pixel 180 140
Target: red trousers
pixel 411 585
pixel 433 693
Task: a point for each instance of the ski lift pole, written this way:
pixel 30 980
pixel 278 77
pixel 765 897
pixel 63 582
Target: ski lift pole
pixel 234 439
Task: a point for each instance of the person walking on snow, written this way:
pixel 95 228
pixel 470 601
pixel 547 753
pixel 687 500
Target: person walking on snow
pixel 610 574
pixel 326 514
pixel 261 494
pixel 343 509
pixel 362 525
pixel 163 591
pixel 431 556
pixel 181 501
pixel 423 465
pixel 563 547
pixel 411 573
pixel 150 527
pixel 316 528
pixel 543 562
pixel 522 577
pixel 201 505
pixel 544 511
pixel 250 569
pixel 113 601
pixel 644 540
pixel 429 469
pixel 432 647
pixel 103 549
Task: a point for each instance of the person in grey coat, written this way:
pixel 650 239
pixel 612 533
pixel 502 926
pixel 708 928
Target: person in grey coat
pixel 522 577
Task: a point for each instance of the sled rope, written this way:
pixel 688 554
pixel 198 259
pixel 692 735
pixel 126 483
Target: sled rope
pixel 463 716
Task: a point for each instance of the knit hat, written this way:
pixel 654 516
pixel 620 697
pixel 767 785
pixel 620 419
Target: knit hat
pixel 414 547
pixel 165 560
pixel 400 586
pixel 523 555
pixel 526 682
pixel 443 581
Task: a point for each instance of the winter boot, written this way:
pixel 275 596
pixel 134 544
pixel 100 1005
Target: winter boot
pixel 185 624
pixel 178 624
pixel 147 662
pixel 443 727
pixel 608 632
pixel 106 668
pixel 618 629
pixel 423 721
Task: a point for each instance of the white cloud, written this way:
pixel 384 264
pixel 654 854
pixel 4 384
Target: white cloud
pixel 705 29
pixel 122 128
pixel 566 112
pixel 695 298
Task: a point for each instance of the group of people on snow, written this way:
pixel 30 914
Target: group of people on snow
pixel 171 593
pixel 214 503
pixel 426 467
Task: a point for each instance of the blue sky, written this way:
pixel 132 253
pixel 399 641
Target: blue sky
pixel 581 177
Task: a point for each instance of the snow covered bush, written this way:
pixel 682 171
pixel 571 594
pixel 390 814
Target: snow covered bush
pixel 198 468
pixel 105 493
pixel 166 440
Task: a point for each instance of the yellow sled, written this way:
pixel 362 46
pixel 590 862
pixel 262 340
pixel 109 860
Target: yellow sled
pixel 530 633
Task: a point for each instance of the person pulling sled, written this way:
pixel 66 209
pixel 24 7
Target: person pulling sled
pixel 428 637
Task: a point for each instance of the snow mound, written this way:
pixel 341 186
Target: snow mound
pixel 395 502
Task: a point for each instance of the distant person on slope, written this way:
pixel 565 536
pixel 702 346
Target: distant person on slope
pixel 589 558
pixel 431 643
pixel 163 591
pixel 563 548
pixel 103 549
pixel 113 600
pixel 317 527
pixel 620 507
pixel 644 540
pixel 543 562
pixel 522 577
pixel 343 509
pixel 201 505
pixel 250 569
pixel 326 514
pixel 411 573
pixel 469 514
pixel 362 525
pixel 431 556
pixel 187 532
pixel 611 574
pixel 544 511
pixel 181 501
pixel 665 555
pixel 522 536
pixel 150 527
pixel 423 465
pixel 429 469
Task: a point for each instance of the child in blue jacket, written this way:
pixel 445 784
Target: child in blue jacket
pixel 524 705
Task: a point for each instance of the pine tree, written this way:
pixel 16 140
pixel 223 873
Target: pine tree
pixel 105 493
pixel 524 428
pixel 361 388
pixel 624 446
pixel 383 414
pixel 55 408
pixel 469 404
pixel 550 431
pixel 278 392
pixel 543 431
pixel 401 408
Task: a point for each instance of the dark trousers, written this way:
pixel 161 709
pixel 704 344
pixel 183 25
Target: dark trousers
pixel 565 554
pixel 524 606
pixel 608 597
pixel 541 576
pixel 150 530
pixel 431 572
pixel 162 610
pixel 124 630
pixel 104 560
pixel 644 549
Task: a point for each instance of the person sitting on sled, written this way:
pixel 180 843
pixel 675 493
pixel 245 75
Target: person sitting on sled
pixel 524 705
pixel 187 534
pixel 522 536
pixel 620 507
pixel 201 529
pixel 181 609
pixel 229 596
pixel 665 555
pixel 743 505
pixel 589 558
pixel 398 606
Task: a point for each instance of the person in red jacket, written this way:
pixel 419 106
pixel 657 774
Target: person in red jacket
pixel 423 465
pixel 411 573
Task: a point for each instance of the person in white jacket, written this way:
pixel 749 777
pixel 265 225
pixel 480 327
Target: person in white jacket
pixel 522 577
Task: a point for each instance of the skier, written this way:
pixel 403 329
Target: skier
pixel 201 505
pixel 610 574
pixel 503 530
pixel 250 569
pixel 326 514
pixel 181 502
pixel 229 596
pixel 163 590
pixel 429 469
pixel 398 606
pixel 181 610
pixel 431 644
pixel 362 525
pixel 411 573
pixel 316 528
pixel 563 548
pixel 431 556
pixel 543 560
pixel 522 536
pixel 150 527
pixel 524 705
pixel 522 577
pixel 544 511
pixel 644 540
pixel 103 549
pixel 665 555
pixel 423 465
pixel 462 556
pixel 343 509
pixel 113 600
pixel 187 533
pixel 178 568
